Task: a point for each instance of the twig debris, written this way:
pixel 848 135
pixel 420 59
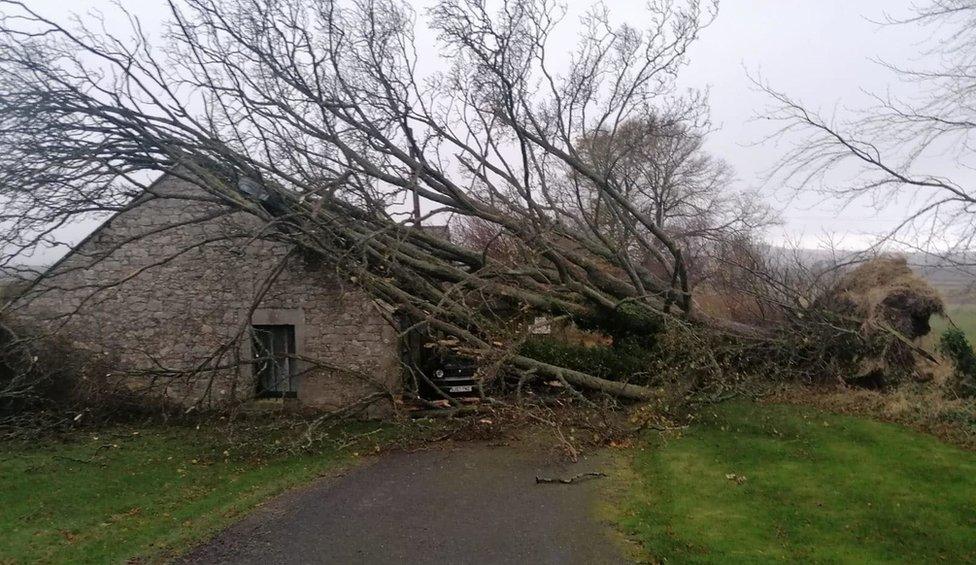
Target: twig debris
pixel 572 480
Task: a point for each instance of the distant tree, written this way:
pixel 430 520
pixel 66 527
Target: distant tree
pixel 662 166
pixel 663 169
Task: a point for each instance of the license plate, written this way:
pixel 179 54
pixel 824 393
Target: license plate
pixel 468 388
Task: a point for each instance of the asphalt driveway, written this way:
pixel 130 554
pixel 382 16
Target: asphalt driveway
pixel 466 504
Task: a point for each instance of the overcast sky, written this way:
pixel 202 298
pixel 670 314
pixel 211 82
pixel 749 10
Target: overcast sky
pixel 819 51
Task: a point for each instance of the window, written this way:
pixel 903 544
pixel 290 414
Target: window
pixel 274 363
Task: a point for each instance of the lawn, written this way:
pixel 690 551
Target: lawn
pixel 755 483
pixel 136 492
pixel 963 315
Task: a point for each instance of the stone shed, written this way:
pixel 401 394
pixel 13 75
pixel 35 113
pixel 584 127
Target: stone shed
pixel 177 283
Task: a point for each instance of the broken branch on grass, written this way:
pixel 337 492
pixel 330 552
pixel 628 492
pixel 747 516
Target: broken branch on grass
pixel 572 480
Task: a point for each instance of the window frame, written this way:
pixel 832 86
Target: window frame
pixel 260 368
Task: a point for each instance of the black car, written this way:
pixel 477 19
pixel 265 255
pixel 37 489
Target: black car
pixel 455 376
pixel 444 371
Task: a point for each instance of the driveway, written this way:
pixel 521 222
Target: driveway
pixel 465 504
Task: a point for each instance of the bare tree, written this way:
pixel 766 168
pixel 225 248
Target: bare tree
pixel 663 168
pixel 312 117
pixel 892 153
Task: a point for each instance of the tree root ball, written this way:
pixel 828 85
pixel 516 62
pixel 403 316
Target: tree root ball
pixel 893 306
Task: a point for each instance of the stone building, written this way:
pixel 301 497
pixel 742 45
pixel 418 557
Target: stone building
pixel 175 283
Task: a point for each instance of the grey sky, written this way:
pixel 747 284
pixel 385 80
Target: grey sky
pixel 818 51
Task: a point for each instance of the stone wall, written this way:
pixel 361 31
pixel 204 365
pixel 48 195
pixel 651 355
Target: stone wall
pixel 166 284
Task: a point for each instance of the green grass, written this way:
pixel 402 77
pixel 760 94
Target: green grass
pixel 146 492
pixel 963 315
pixel 818 488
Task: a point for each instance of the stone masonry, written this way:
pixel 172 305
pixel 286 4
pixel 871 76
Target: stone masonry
pixel 169 285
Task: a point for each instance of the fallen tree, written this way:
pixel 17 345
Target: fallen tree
pixel 311 118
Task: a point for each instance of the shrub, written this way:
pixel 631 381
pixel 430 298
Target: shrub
pixel 47 384
pixel 957 348
pixel 625 361
pixel 626 325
